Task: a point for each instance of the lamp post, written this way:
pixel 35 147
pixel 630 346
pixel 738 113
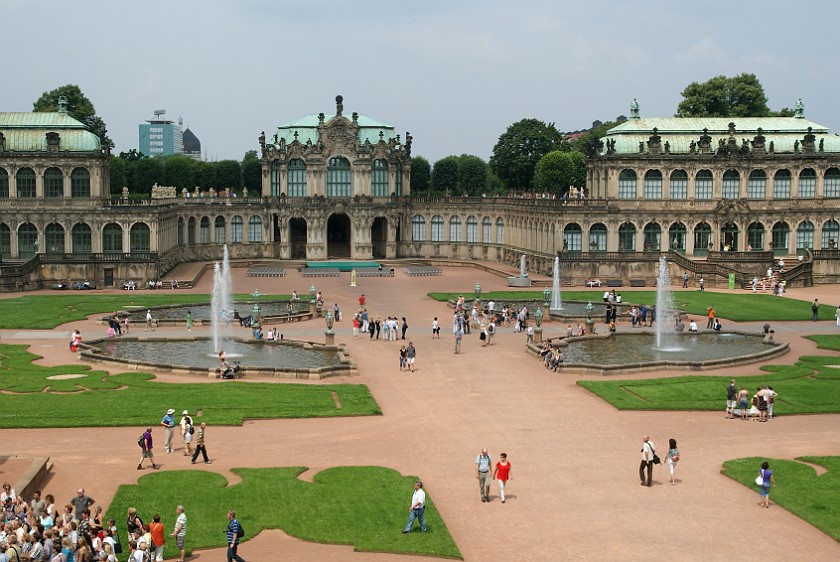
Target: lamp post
pixel 590 323
pixel 312 303
pixel 312 292
pixel 255 314
pixel 546 296
pixel 329 335
pixel 477 292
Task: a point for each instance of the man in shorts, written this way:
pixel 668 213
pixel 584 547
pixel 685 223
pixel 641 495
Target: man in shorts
pixel 146 446
pixel 731 398
pixel 180 532
pixel 187 432
pixel 410 352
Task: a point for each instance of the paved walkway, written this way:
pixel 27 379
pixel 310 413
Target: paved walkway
pixel 575 493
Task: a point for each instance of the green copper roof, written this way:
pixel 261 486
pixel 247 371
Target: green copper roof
pixel 307 129
pixel 679 132
pixel 27 131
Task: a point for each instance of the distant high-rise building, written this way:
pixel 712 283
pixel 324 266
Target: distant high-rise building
pixel 192 146
pixel 161 137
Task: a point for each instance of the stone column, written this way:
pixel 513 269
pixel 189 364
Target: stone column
pixel 794 186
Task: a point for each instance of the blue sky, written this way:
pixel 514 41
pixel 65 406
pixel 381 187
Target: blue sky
pixel 454 74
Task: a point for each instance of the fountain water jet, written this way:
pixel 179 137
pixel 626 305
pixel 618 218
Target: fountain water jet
pixel 221 302
pixel 556 298
pixel 664 310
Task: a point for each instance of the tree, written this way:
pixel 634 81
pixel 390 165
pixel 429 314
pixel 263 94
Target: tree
pixel 149 172
pixel 445 175
pixel 79 107
pixel 585 143
pixel 558 170
pixel 472 174
pixel 252 171
pixel 205 174
pixel 518 150
pixel 421 174
pixel 117 172
pixel 179 171
pixel 228 174
pixel 739 96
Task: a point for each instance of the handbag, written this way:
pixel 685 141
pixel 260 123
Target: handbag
pixel 759 480
pixel 656 459
pixel 117 543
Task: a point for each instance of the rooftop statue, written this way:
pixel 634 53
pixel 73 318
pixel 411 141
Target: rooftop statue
pixel 634 109
pixel 799 109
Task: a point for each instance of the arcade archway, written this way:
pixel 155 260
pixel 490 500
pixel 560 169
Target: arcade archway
pixel 338 236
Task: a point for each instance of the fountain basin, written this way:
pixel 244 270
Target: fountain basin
pixel 621 353
pixel 194 356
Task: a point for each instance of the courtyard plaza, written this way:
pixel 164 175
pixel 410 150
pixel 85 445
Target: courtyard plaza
pixel 575 493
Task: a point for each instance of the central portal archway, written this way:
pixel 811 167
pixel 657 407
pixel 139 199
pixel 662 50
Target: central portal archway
pixel 297 238
pixel 379 237
pixel 338 236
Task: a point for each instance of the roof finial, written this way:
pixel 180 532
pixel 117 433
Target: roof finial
pixel 339 106
pixel 62 104
pixel 634 109
pixel 799 109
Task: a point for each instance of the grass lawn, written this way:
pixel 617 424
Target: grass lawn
pixel 42 312
pixel 740 307
pixel 98 399
pixel 363 506
pixel 799 489
pixel 810 386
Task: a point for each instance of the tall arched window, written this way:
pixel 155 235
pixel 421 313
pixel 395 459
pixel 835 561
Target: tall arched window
pixel 4 184
pixel 5 241
pixel 805 236
pixel 703 184
pixel 27 240
pixel 418 228
pixel 653 237
pixel 204 230
pixel 236 225
pixel 275 177
pixel 255 233
pixel 676 237
pixel 455 229
pixel 191 231
pixel 81 239
pixel 807 183
pixel 486 230
pixel 112 238
pixel 702 239
pixel 627 184
pixel 781 237
pixel 831 188
pixel 180 231
pixel 679 184
pixel 54 238
pixel 139 238
pixel 500 230
pixel 573 237
pixel 781 185
pixel 755 235
pixel 729 237
pixel 472 229
pixel 627 237
pixel 80 183
pixel 598 238
pixel 757 185
pixel 437 228
pixel 653 184
pixel 25 181
pixel 53 183
pixel 398 179
pixel 338 177
pixel 731 184
pixel 296 178
pixel 830 234
pixel 219 230
pixel 379 178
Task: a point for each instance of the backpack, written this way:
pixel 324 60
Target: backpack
pixel 142 441
pixel 240 532
pixel 192 429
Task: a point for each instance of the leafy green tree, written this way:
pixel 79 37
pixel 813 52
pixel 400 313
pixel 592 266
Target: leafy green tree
pixel 519 148
pixel 228 174
pixel 445 175
pixel 79 107
pixel 586 142
pixel 179 171
pixel 738 96
pixel 472 174
pixel 558 170
pixel 149 171
pixel 118 179
pixel 252 172
pixel 421 175
pixel 205 174
pixel 495 186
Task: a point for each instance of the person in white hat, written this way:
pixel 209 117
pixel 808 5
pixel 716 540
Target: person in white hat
pixel 187 431
pixel 168 423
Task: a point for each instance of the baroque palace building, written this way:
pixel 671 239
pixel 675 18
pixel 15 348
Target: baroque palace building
pixel 715 196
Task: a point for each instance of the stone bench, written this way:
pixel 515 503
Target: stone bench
pixel 638 283
pixel 615 283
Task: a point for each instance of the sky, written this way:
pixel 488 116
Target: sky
pixel 454 73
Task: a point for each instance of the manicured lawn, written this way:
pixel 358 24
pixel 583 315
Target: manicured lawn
pixel 800 491
pixel 98 399
pixel 740 307
pixel 363 506
pixel 41 312
pixel 810 386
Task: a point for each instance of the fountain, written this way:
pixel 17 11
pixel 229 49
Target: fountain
pixel 556 298
pixel 221 302
pixel 664 328
pixel 522 280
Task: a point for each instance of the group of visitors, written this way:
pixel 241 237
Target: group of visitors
pixel 758 408
pixel 650 458
pixel 193 438
pixel 146 539
pixel 551 355
pixel 389 329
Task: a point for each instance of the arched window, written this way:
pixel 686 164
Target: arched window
pixel 80 183
pixel 54 238
pixel 731 184
pixel 500 230
pixel 204 231
pixel 180 231
pixel 486 230
pixel 338 177
pixel 702 239
pixel 598 238
pixel 679 184
pixel 455 229
pixel 472 229
pixel 627 184
pixel 255 233
pixel 830 189
pixel 418 228
pixel 703 184
pixel 653 237
pixel 53 183
pixel 4 184
pixel 627 237
pixel 781 237
pixel 112 238
pixel 781 185
pixel 437 228
pixel 81 239
pixel 572 237
pixel 27 240
pixel 676 237
pixel 830 234
pixel 805 236
pixel 755 236
pixel 275 177
pixel 139 238
pixel 5 241
pixel 191 231
pixel 729 237
pixel 653 184
pixel 25 180
pixel 296 178
pixel 236 225
pixel 398 179
pixel 757 185
pixel 219 230
pixel 379 178
pixel 807 183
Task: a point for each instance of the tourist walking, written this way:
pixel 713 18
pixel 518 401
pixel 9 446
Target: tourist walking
pixel 483 464
pixel 187 431
pixel 766 476
pixel 404 327
pixel 417 509
pixel 436 326
pixel 685 280
pixel 731 394
pixel 673 459
pixel 200 446
pixel 702 284
pixel 180 532
pixel 646 466
pixel 126 323
pixel 146 447
pixel 815 310
pixel 148 321
pixel 402 358
pixel 502 474
pixel 837 316
pixel 459 335
pixel 234 532
pixel 410 352
pixel 168 423
pixel 189 321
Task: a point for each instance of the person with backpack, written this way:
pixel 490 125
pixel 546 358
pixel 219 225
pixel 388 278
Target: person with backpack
pixel 234 532
pixel 187 431
pixel 145 443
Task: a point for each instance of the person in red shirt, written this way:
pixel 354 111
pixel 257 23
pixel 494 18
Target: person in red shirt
pixel 362 300
pixel 156 530
pixel 502 474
